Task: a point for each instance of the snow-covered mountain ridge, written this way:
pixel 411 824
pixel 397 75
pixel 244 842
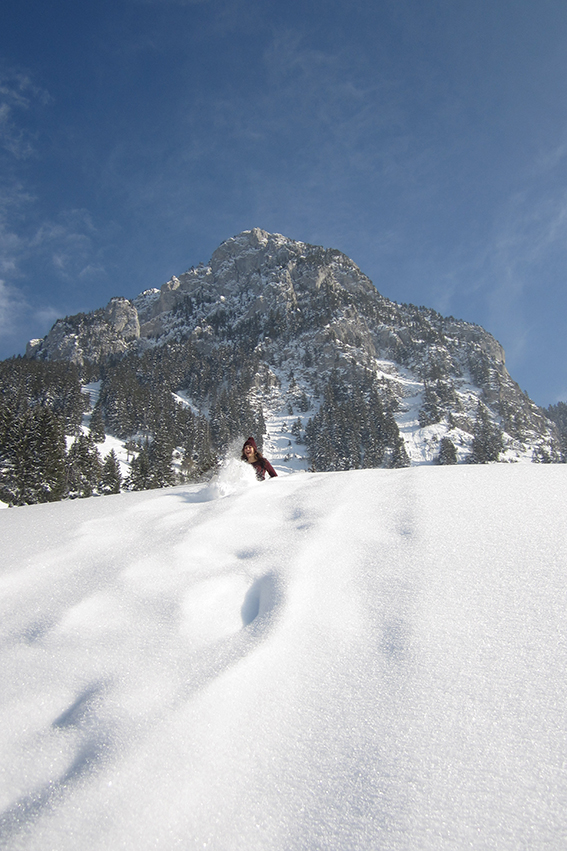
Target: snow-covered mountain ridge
pixel 308 314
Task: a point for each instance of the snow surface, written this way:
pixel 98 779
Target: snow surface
pixel 365 660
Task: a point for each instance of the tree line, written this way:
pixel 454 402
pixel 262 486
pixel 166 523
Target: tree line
pixel 49 437
pixel 176 409
pixel 352 428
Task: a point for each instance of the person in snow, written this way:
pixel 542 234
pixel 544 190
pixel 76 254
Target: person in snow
pixel 252 455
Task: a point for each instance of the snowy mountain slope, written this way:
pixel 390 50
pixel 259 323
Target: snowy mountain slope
pixel 362 660
pixel 309 313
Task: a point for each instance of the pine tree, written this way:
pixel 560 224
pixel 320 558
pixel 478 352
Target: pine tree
pixel 84 467
pixel 206 457
pixel 487 441
pixel 160 457
pixel 51 452
pixel 260 427
pixel 96 425
pixel 296 429
pixel 447 452
pixel 34 384
pixel 558 413
pixel 152 467
pixel 351 430
pixel 140 477
pixel 32 456
pixel 429 412
pixel 111 477
pixel 399 456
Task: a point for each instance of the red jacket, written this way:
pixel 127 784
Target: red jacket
pixel 262 467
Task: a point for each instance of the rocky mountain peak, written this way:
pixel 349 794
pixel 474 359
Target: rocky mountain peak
pixel 310 313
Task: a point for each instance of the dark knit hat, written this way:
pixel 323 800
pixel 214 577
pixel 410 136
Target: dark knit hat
pixel 250 442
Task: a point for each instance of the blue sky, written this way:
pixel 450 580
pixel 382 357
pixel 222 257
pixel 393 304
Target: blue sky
pixel 427 140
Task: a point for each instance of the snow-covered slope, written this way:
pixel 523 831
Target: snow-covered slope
pixel 364 660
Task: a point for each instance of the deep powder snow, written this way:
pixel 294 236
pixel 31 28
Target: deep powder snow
pixel 364 660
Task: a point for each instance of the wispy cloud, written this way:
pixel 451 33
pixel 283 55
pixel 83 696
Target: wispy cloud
pixel 12 306
pixel 331 97
pixel 18 317
pixel 336 130
pixel 13 201
pixel 68 243
pixel 61 249
pixel 66 248
pixel 527 259
pixel 17 95
pixel 550 158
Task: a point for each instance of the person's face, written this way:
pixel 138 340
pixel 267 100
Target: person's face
pixel 249 451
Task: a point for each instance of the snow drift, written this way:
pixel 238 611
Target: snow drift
pixel 364 660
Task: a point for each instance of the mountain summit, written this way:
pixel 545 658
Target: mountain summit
pixel 299 331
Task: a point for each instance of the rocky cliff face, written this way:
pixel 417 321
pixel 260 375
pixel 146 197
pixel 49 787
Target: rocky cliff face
pixel 309 314
pixel 90 336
